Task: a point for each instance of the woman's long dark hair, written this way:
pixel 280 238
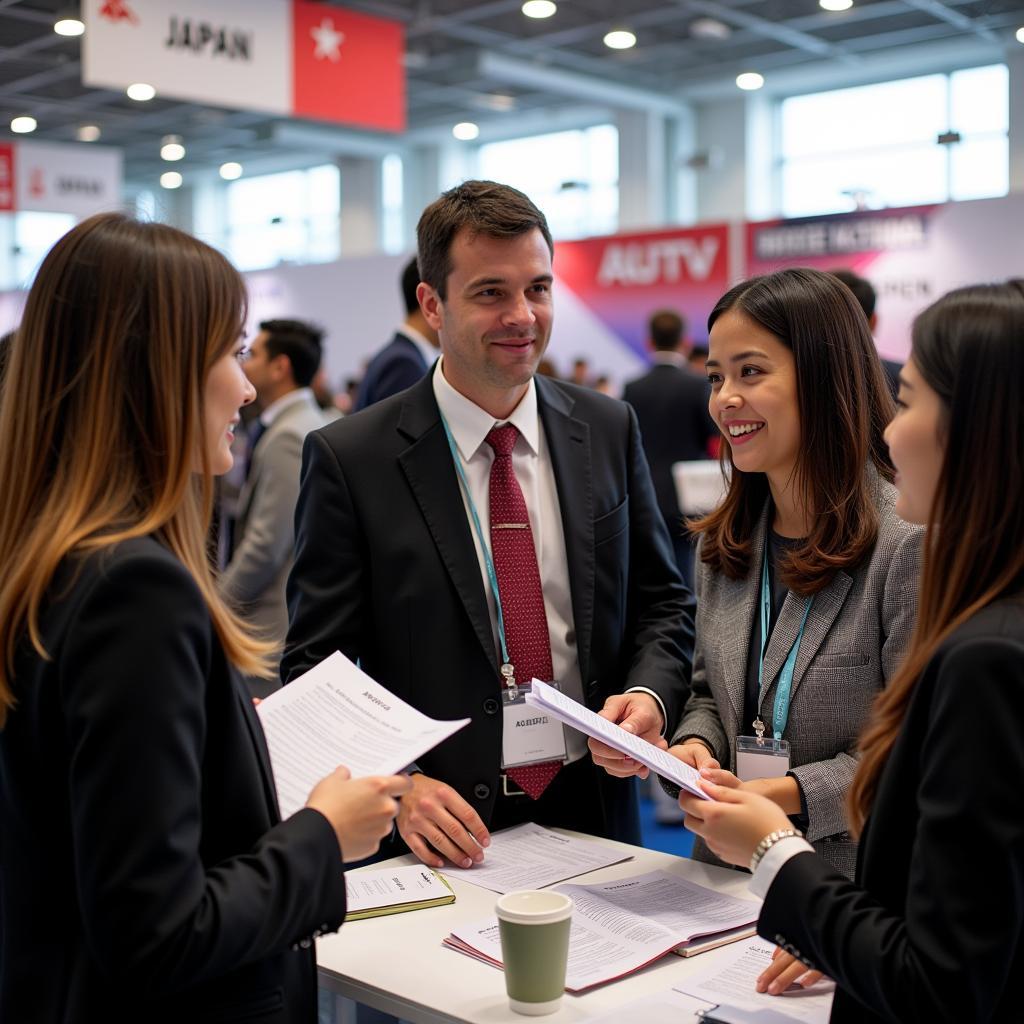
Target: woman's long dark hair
pixel 844 405
pixel 969 348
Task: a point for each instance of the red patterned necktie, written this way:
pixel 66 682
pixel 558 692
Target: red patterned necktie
pixel 522 598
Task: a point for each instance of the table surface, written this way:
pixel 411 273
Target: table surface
pixel 397 964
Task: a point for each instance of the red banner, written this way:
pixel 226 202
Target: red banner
pixel 347 67
pixel 6 176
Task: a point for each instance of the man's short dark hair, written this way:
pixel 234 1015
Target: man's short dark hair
pixel 300 342
pixel 410 282
pixel 483 207
pixel 863 290
pixel 666 330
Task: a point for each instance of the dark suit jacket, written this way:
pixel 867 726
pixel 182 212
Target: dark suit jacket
pixel 145 875
pixel 386 571
pixel 934 928
pixel 671 406
pixel 397 366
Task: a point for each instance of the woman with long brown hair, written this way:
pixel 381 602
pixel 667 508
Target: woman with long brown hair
pixel 145 872
pixel 803 570
pixel 932 930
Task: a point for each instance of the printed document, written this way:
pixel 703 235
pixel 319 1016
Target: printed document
pixel 730 986
pixel 623 925
pixel 571 712
pixel 375 892
pixel 531 857
pixel 335 714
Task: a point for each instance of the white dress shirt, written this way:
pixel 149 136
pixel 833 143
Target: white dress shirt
pixel 531 462
pixel 428 351
pixel 771 863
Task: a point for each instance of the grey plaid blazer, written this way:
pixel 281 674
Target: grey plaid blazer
pixel 856 633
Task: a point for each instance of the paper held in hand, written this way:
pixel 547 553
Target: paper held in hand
pixel 335 714
pixel 565 709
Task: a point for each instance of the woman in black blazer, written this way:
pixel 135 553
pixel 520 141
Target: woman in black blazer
pixel 933 928
pixel 145 873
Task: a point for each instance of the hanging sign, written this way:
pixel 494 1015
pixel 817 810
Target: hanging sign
pixel 280 56
pixel 55 178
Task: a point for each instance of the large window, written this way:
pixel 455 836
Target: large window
pixel 25 238
pixel 288 217
pixel 572 176
pixel 875 146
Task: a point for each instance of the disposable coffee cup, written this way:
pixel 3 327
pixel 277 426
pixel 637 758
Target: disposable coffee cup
pixel 534 926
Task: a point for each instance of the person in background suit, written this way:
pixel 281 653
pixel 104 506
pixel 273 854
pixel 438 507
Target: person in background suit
pixel 805 569
pixel 284 358
pixel 933 928
pixel 145 873
pixel 671 405
pixel 391 568
pixel 864 292
pixel 409 354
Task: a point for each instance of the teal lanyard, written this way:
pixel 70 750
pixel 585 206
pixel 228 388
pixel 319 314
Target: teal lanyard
pixel 507 670
pixel 780 713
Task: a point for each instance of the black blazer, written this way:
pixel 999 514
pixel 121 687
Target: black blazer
pixel 671 406
pixel 397 366
pixel 145 875
pixel 933 928
pixel 386 571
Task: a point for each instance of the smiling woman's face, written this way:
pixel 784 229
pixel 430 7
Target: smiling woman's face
pixel 753 395
pixel 227 390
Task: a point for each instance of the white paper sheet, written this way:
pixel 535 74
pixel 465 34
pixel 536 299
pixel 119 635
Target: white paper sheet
pixel 571 712
pixel 730 986
pixel 335 714
pixel 531 857
pixel 619 926
pixel 368 889
pixel 669 1007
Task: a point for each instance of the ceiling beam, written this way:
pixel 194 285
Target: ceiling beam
pixel 943 13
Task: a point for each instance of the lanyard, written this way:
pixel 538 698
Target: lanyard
pixel 780 714
pixel 507 670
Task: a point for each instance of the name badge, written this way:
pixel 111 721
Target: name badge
pixel 761 757
pixel 529 736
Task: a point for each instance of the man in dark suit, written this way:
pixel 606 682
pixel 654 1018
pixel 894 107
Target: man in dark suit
pixel 866 296
pixel 394 556
pixel 407 356
pixel 671 404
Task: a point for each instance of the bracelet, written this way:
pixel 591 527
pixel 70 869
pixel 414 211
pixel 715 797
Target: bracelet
pixel 769 841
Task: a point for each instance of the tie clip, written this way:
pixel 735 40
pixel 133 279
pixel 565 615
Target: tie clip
pixel 510 526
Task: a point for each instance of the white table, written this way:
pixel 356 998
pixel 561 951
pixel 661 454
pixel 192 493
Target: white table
pixel 397 964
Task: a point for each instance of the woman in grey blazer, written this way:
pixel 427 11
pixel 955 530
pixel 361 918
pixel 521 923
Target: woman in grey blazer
pixel 806 577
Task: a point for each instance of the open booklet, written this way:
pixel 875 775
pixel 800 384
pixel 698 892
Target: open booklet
pixel 335 714
pixel 376 892
pixel 623 925
pixel 571 712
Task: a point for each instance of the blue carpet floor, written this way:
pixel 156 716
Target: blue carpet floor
pixel 666 838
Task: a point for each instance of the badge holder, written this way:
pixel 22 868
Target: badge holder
pixel 761 757
pixel 529 736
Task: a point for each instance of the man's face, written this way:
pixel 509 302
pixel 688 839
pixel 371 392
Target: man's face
pixel 495 323
pixel 259 369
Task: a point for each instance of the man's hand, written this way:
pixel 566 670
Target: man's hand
pixel 734 822
pixel 637 713
pixel 785 970
pixel 436 822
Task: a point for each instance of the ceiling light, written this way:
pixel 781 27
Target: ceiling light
pixel 230 171
pixel 170 179
pixel 171 148
pixel 539 8
pixel 68 23
pixel 499 102
pixel 141 92
pixel 620 39
pixel 23 125
pixel 1020 35
pixel 709 28
pixel 87 132
pixel 466 131
pixel 750 80
pixel 835 5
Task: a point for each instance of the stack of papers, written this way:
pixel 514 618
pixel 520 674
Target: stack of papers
pixel 531 857
pixel 374 892
pixel 623 925
pixel 571 712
